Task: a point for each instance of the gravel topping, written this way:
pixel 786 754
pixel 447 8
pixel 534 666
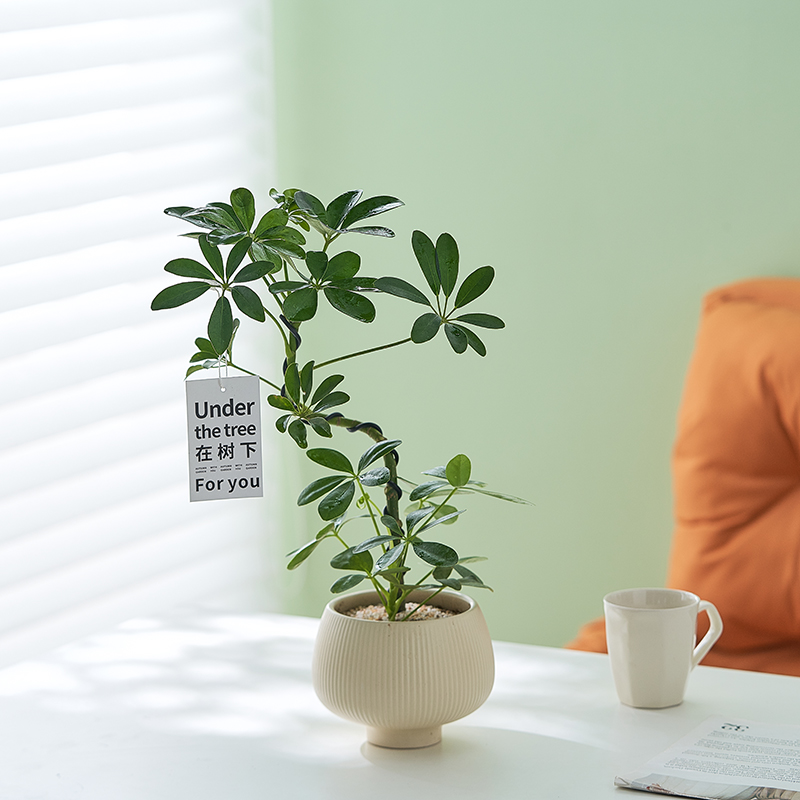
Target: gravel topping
pixel 379 612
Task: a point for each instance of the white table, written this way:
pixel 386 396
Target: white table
pixel 221 707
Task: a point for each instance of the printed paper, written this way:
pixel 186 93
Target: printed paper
pixel 224 422
pixel 726 759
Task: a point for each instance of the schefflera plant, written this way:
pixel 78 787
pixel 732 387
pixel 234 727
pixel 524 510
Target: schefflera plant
pixel 265 269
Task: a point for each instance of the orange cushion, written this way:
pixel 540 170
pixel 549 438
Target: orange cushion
pixel 736 473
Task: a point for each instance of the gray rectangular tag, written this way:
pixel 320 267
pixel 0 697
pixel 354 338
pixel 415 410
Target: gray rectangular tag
pixel 224 421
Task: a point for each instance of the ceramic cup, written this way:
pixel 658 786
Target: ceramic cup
pixel 651 635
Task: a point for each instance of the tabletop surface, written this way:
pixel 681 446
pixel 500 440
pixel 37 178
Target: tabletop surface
pixel 221 706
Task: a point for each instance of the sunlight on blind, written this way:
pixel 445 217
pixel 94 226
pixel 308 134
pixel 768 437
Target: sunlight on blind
pixel 109 112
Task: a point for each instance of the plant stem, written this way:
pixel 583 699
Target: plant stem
pixel 362 352
pixel 277 324
pixel 391 491
pixel 426 600
pixel 368 502
pixel 242 369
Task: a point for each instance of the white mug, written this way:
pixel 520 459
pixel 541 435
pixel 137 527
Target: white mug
pixel 651 635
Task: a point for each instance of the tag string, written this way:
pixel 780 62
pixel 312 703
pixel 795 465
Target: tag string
pixel 219 372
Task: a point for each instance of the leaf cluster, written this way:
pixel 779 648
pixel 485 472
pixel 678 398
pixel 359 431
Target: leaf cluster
pixel 264 268
pixel 440 265
pixel 306 405
pixel 384 555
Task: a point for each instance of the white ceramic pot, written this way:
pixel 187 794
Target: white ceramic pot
pixel 403 680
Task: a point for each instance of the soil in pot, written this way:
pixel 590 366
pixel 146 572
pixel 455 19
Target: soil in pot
pixel 421 612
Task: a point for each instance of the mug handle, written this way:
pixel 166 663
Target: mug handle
pixel 714 632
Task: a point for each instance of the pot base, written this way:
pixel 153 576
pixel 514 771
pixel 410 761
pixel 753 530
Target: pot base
pixel 399 739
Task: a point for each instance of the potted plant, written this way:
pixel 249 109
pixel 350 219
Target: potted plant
pixel 407 676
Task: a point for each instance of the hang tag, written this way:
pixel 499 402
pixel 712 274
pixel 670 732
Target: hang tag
pixel 224 421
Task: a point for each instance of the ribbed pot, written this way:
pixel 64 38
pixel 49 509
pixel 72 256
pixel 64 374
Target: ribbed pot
pixel 403 680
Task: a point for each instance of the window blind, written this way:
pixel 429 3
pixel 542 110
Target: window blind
pixel 109 112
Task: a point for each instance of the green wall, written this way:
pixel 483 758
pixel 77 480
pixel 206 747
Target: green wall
pixel 613 161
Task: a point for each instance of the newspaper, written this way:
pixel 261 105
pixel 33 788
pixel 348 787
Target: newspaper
pixel 726 759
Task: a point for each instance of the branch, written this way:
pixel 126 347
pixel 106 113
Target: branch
pixel 362 353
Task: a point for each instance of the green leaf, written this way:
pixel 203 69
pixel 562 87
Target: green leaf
pixel 354 284
pixel 475 284
pixel 236 255
pixel 310 204
pixel 425 328
pixel 212 255
pixel 376 451
pixel 262 252
pixel 436 472
pixel 307 378
pixel 189 268
pixel 392 524
pixel 456 337
pixel 373 231
pixel 318 488
pixel 369 208
pixel 373 541
pixel 424 489
pixel 448 514
pixel 400 288
pixel 272 219
pixel 220 325
pixel 298 432
pixel 244 206
pixel 500 496
pixel 426 257
pixel 254 271
pixel 280 247
pixel 331 400
pixel 177 211
pixel 389 557
pixel 282 423
pixel 415 516
pixel 458 470
pixel 223 214
pixel 440 573
pixel 451 583
pixel 316 261
pixel 392 572
pixel 297 557
pixel 353 305
pixel 375 477
pixel 332 459
pixel 179 294
pixel 348 559
pixel 473 341
pixel 337 209
pixel 436 554
pixel 346 582
pixel 468 577
pixel 331 527
pixel 482 320
pixel 321 426
pixel 326 387
pixel 447 262
pixel 216 237
pixel 300 305
pixel 292 379
pixel 278 401
pixel 285 286
pixel 194 369
pixel 248 302
pixel 342 266
pixel 203 355
pixel 445 520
